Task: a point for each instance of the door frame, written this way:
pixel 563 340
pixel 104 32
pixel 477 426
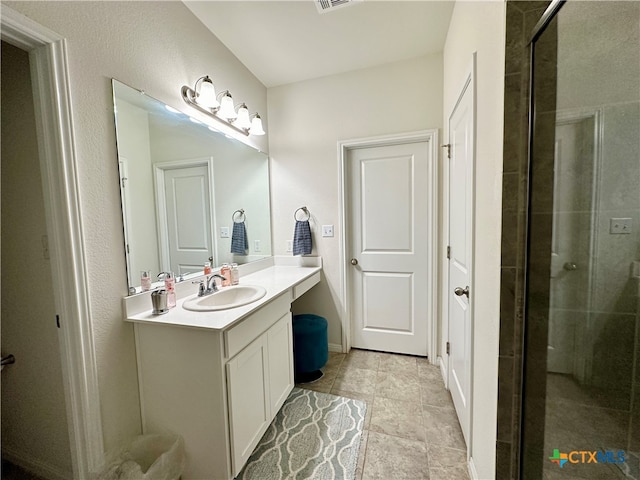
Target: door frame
pixel 344 146
pixel 58 164
pixel 161 203
pixel 123 173
pixel 583 369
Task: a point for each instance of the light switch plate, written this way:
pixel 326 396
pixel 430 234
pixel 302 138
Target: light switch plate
pixel 224 232
pixel 620 225
pixel 327 230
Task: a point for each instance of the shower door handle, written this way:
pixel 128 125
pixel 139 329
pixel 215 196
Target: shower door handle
pixel 8 360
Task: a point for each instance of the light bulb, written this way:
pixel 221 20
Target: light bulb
pixel 207 94
pixel 226 107
pixel 256 126
pixel 243 120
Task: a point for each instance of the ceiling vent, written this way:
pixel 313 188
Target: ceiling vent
pixel 324 6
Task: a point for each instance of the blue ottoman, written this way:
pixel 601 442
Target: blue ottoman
pixel 310 347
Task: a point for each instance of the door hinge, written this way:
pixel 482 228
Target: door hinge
pixel 448 147
pixel 448 348
pixel 448 252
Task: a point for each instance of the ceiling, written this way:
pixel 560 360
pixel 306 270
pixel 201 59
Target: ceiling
pixel 283 42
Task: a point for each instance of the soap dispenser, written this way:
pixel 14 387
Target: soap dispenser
pixel 169 285
pixel 145 280
pixel 235 274
pixel 225 271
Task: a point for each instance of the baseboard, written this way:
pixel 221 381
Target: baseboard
pixel 335 347
pixel 473 473
pixel 443 370
pixel 35 466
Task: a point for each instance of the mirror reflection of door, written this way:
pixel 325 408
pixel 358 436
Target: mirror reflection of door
pixel 572 240
pixel 185 207
pixel 126 207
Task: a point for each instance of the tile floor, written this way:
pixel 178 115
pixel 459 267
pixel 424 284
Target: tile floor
pixel 411 429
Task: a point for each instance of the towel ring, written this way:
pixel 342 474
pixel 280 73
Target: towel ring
pixel 305 210
pixel 242 215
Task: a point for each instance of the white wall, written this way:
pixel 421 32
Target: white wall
pixel 34 419
pixel 479 26
pixel 307 119
pixel 158 47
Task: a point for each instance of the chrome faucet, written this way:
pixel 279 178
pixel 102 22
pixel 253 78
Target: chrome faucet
pixel 211 283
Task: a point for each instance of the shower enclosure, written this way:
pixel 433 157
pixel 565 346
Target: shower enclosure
pixel 581 377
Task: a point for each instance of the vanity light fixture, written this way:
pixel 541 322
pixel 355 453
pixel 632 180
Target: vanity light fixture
pixel 206 96
pixel 256 125
pixel 220 107
pixel 226 110
pixel 243 120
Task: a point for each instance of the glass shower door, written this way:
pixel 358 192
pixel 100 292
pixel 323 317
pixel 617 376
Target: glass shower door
pixel 582 376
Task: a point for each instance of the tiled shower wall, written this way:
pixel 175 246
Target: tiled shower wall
pixel 522 16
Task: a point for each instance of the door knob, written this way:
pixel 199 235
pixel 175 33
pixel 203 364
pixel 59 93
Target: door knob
pixel 459 291
pixel 354 261
pixel 570 266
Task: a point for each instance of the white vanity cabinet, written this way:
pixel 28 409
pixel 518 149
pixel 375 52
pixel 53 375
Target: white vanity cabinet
pixel 219 388
pixel 259 379
pixel 218 378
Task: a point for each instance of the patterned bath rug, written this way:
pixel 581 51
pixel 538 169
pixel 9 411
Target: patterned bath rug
pixel 315 436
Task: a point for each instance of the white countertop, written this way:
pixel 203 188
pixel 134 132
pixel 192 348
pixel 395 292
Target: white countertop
pixel 275 279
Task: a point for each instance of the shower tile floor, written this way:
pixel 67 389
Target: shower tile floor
pixel 14 472
pixel 411 430
pixel 580 419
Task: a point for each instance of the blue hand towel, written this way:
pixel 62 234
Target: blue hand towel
pixel 239 241
pixel 302 238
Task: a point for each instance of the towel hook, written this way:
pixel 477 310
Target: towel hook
pixel 242 215
pixel 305 210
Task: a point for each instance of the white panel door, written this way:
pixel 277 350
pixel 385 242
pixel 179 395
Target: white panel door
pixel 388 247
pixel 461 164
pixel 189 222
pixel 570 245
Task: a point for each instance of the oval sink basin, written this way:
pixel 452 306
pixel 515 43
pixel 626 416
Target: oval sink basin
pixel 227 297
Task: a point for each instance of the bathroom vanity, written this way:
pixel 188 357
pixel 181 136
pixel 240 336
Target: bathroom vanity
pixel 218 378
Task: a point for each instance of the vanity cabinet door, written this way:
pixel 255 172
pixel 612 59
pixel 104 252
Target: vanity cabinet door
pixel 280 348
pixel 249 406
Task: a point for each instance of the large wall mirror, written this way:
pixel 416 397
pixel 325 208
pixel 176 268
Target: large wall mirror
pixel 183 187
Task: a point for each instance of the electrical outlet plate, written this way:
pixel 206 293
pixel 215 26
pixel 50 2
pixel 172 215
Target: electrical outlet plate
pixel 327 230
pixel 256 246
pixel 620 226
pixel 289 245
pixel 224 232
